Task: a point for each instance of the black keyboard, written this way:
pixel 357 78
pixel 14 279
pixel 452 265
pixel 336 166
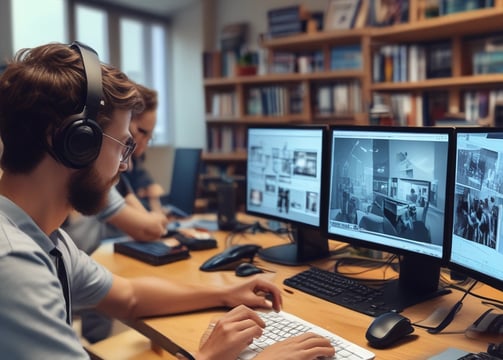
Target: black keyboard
pixel 340 290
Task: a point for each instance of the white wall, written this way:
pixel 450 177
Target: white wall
pixel 186 109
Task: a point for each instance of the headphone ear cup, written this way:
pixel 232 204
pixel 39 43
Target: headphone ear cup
pixel 78 143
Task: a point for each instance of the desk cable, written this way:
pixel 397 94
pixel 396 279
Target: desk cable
pixel 254 228
pixel 450 315
pixel 370 264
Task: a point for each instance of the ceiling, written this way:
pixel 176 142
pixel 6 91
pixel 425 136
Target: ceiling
pixel 155 7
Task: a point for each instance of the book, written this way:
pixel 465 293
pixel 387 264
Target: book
pixel 439 60
pixel 345 57
pixel 233 36
pixel 341 14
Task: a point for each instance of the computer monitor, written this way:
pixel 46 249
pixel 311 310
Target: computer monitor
pixel 284 176
pixel 181 198
pixel 389 191
pixel 477 241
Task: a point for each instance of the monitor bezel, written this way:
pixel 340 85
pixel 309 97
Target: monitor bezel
pixel 355 242
pixel 323 187
pixel 474 274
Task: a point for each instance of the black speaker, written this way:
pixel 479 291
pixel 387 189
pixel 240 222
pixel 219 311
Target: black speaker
pixel 77 142
pixel 226 199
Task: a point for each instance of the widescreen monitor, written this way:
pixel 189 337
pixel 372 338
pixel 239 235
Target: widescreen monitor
pixel 389 190
pixel 477 241
pixel 284 176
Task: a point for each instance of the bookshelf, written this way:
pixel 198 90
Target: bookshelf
pixel 458 30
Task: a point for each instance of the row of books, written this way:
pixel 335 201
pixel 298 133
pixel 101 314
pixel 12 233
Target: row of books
pixel 275 100
pixel 411 62
pixel 480 107
pixel 446 7
pixel 226 139
pixel 403 109
pixel 339 98
pixel 291 62
pixel 224 104
pixel 488 62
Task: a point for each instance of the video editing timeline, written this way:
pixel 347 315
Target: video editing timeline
pixel 284 173
pixel 477 241
pixel 389 188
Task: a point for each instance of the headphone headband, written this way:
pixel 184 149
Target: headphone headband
pixel 93 78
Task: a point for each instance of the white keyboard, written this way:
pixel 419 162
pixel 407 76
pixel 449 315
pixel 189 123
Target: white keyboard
pixel 282 325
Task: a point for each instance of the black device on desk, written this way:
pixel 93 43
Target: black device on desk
pixel 153 252
pixel 371 173
pixel 231 257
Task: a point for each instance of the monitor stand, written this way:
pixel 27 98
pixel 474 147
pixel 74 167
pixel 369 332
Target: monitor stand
pixel 418 282
pixel 309 245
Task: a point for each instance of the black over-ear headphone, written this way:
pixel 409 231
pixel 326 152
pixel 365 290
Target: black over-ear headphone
pixel 78 142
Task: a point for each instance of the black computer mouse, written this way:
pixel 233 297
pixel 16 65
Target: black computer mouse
pixel 247 269
pixel 387 329
pixel 231 257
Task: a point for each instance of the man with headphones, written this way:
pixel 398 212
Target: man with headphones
pixel 64 124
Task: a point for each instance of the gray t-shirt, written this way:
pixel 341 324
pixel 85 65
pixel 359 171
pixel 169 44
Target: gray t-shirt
pixel 32 304
pixel 88 232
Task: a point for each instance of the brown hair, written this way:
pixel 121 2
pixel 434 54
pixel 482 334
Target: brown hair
pixel 149 97
pixel 39 89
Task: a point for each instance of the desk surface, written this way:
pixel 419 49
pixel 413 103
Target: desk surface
pixel 187 329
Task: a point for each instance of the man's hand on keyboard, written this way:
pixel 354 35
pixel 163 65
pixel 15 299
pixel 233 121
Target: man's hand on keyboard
pixel 229 335
pixel 307 346
pixel 253 293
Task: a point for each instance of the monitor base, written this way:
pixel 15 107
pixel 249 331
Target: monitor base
pixel 399 298
pixel 287 254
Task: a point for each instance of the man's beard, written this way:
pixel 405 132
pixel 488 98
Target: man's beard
pixel 88 192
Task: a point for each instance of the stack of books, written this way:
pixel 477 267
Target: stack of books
pixel 288 20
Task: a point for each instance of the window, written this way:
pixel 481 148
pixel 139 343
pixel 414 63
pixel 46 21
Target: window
pixel 96 35
pixel 36 22
pixel 143 59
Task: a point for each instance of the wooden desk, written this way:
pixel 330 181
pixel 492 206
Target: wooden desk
pixel 187 329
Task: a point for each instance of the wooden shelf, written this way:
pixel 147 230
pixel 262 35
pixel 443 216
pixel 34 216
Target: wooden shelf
pixel 444 27
pixel 283 78
pixel 456 29
pixel 225 157
pixel 486 80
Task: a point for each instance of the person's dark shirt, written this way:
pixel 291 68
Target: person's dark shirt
pixel 137 176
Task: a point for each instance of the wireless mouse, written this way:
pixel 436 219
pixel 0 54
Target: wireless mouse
pixel 247 269
pixel 387 329
pixel 231 257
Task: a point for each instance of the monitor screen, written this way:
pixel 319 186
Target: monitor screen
pixel 388 190
pixel 284 173
pixel 477 243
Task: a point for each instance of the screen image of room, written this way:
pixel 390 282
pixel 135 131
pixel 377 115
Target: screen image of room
pixel 390 186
